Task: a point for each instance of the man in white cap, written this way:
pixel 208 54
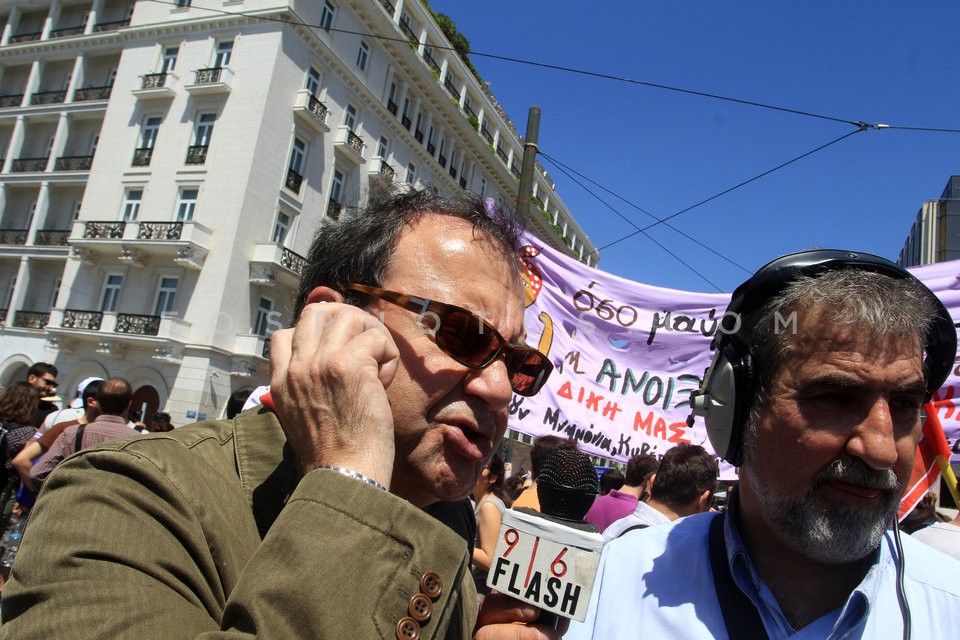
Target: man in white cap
pixel 73 413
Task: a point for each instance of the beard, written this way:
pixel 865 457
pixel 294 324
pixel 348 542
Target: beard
pixel 826 532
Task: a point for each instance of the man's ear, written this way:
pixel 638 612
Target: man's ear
pixel 703 502
pixel 324 294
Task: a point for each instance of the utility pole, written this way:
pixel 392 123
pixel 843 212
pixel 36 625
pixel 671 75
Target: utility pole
pixel 530 149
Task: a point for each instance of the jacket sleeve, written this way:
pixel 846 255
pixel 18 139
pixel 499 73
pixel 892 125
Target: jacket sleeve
pixel 119 547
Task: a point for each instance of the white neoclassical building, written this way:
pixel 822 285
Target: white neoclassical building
pixel 166 164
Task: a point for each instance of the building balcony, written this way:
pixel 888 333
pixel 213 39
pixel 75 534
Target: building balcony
pixel 156 86
pixel 142 157
pixel 79 319
pixel 294 181
pixel 451 89
pixel 196 154
pixel 502 155
pixel 252 344
pixel 3 315
pixel 113 331
pixel 334 209
pixel 311 111
pixel 431 148
pixel 418 135
pixel 431 62
pixel 11 100
pixel 185 243
pixel 515 170
pixel 453 172
pixel 29 165
pixel 405 121
pixel 111 26
pixel 388 6
pixel 442 159
pixel 73 163
pixel 467 109
pixel 408 31
pixel 51 237
pixel 463 182
pixel 211 81
pixel 25 37
pixel 392 107
pixel 381 170
pixel 48 97
pixel 13 236
pixel 65 32
pixel 88 94
pixel 31 319
pixel 349 145
pixel 273 264
pixel 486 134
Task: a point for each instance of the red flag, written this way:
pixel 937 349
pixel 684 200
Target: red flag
pixel 926 471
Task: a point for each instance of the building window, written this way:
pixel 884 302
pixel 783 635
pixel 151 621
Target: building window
pixel 224 51
pixel 313 82
pixel 326 16
pixel 483 187
pixel 204 129
pixel 131 203
pixel 183 3
pixel 168 61
pixel 362 56
pixel 148 133
pixel 382 145
pixel 55 292
pixel 298 156
pixel 187 203
pixel 280 228
pixel 350 118
pixel 411 173
pixel 111 292
pixel 261 326
pixel 338 188
pixel 166 292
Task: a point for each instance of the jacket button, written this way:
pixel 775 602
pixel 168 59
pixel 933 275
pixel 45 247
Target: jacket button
pixel 408 629
pixel 431 585
pixel 420 608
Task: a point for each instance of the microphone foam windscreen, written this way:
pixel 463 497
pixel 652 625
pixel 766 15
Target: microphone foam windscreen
pixel 567 484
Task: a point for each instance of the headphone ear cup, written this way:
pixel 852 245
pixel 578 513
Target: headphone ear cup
pixel 729 386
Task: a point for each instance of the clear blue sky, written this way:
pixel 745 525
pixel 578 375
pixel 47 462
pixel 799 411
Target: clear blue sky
pixel 889 62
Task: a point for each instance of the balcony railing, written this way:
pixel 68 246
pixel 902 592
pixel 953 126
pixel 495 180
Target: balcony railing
pixel 463 182
pixel 73 163
pixel 28 165
pixel 355 142
pixel 80 319
pixel 453 172
pixel 502 155
pixel 334 209
pixel 293 261
pixel 108 230
pixel 142 156
pixel 208 76
pixel 392 107
pixel 469 111
pixel 3 315
pixel 31 319
pixel 451 88
pixel 67 31
pixel 405 121
pixel 407 31
pixel 486 134
pixel 388 6
pixel 13 236
pixel 110 26
pixel 293 181
pixel 153 80
pixel 431 62
pixel 317 108
pixel 431 148
pixel 197 154
pixel 515 170
pixel 160 231
pixel 418 135
pixel 51 237
pixel 266 347
pixel 25 37
pixel 48 97
pixel 137 324
pixel 93 93
pixel 11 100
pixel 442 159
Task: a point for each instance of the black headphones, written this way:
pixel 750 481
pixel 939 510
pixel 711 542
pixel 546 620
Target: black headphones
pixel 726 394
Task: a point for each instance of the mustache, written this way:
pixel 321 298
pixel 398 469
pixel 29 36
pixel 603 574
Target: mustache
pixel 855 472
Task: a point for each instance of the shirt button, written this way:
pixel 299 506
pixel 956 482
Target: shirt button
pixel 431 585
pixel 408 629
pixel 420 608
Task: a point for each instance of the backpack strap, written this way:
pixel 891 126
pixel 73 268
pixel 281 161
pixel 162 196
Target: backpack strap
pixel 636 526
pixel 78 441
pixel 739 613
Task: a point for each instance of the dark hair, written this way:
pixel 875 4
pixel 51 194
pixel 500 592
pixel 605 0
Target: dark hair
pixel 543 447
pixel 39 368
pixel 237 399
pixel 90 391
pixel 610 480
pixel 114 396
pixel 160 423
pixel 497 467
pixel 18 403
pixel 685 472
pixel 639 469
pixel 359 248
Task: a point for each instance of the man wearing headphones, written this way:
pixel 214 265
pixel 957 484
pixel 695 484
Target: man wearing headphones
pixel 815 392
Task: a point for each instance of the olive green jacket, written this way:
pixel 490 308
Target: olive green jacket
pixel 204 532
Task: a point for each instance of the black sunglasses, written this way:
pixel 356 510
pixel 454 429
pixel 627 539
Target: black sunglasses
pixel 471 340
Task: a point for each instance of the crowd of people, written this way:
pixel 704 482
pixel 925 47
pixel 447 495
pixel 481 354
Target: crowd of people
pixel 338 505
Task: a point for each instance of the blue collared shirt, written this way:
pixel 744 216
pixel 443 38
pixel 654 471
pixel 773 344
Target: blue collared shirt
pixel 657 583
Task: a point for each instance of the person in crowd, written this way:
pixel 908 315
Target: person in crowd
pixel 112 422
pixel 490 496
pixel 943 536
pixel 24 460
pixel 42 376
pixel 304 518
pixel 541 450
pixel 236 401
pixel 513 485
pixel 459 518
pixel 72 413
pixel 641 470
pixel 610 480
pixel 160 423
pixel 816 392
pixel 18 410
pixel 922 515
pixel 682 485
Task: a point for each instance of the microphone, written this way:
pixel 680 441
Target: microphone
pixel 550 558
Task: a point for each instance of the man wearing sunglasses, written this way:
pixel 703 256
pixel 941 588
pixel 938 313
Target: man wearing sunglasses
pixel 304 518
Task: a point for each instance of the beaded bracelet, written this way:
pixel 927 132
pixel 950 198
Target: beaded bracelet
pixel 356 475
